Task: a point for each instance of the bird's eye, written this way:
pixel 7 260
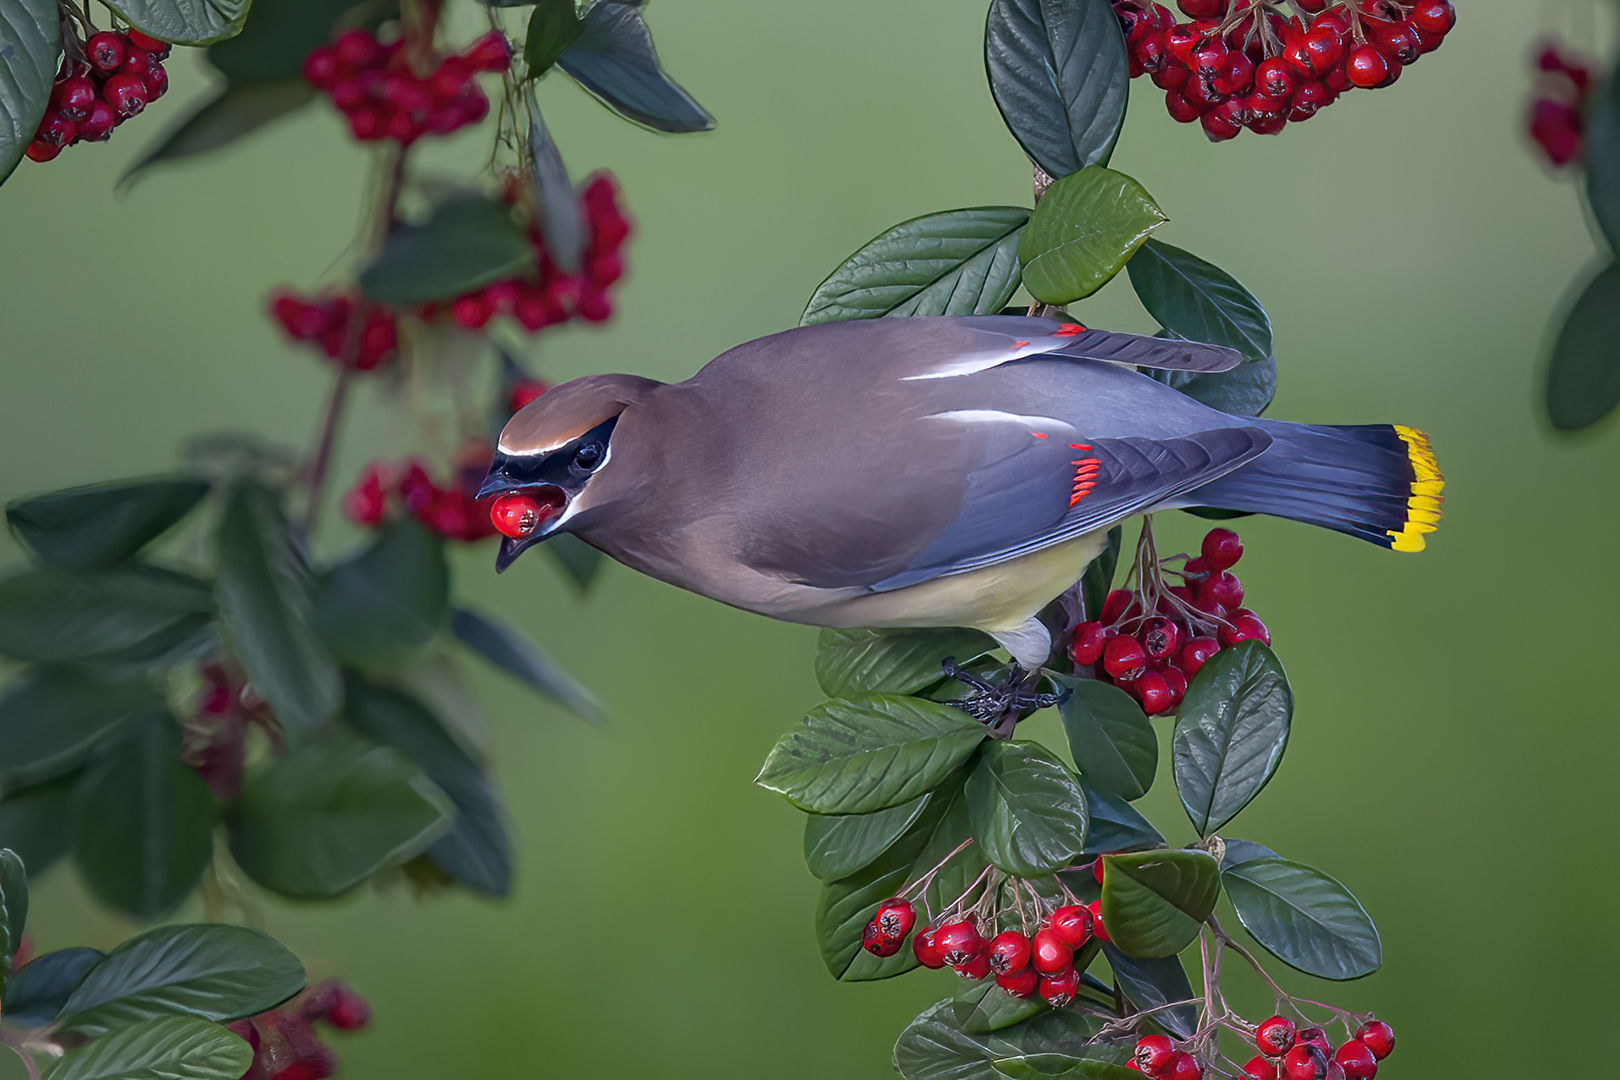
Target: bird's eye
pixel 588 456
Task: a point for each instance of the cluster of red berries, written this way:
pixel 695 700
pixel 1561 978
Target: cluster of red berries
pixel 378 89
pixel 452 511
pixel 1563 85
pixel 1152 647
pixel 1242 64
pixel 120 74
pixel 549 296
pixel 1289 1053
pixel 285 1045
pixel 328 320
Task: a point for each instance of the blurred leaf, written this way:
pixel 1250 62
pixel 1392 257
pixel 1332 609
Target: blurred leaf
pixel 143 822
pixel 1028 813
pixel 900 661
pixel 48 615
pixel 562 224
pixel 1115 824
pixel 235 111
pixel 1110 738
pixel 1583 379
pixel 168 1048
pixel 993 1007
pixel 13 907
pixel 273 45
pixel 1156 982
pixel 332 813
pixel 467 243
pixel 434 679
pixel 184 22
pixel 210 970
pixel 837 845
pixel 32 33
pixel 1231 732
pixel 1246 390
pixel 867 752
pixel 95 527
pixel 52 717
pixel 1155 902
pixel 387 602
pixel 615 60
pixel 1084 231
pixel 1060 75
pixel 553 27
pixel 262 587
pixel 1304 918
pixel 477 851
pixel 36 994
pixel 1601 136
pixel 35 822
pixel 1062 1067
pixel 511 650
pixel 938 1046
pixel 959 262
pixel 1198 301
pixel 1098 579
pixel 579 560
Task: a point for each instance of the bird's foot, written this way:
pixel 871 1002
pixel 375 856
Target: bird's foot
pixel 1000 707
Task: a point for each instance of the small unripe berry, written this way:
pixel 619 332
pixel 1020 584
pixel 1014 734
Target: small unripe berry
pixel 1378 1037
pixel 1009 952
pixel 1276 1036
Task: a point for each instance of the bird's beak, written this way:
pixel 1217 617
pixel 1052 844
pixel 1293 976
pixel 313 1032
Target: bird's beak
pixel 511 548
pixel 496 484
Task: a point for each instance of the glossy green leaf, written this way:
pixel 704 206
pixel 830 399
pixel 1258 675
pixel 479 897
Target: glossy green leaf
pixel 47 615
pixel 868 752
pixel 477 851
pixel 1062 1067
pixel 1242 851
pixel 515 653
pixel 579 561
pixel 1231 732
pixel 1601 158
pixel 553 27
pixel 615 60
pixel 562 221
pixel 1084 231
pixel 30 43
pixel 1060 75
pixel 1098 579
pixel 1199 301
pixel 95 527
pixel 210 970
pixel 1115 825
pixel 35 995
pixel 143 822
pixel 35 822
pixel 1155 902
pixel 938 1046
pixel 1246 390
pixel 1583 378
pixel 1028 813
pixel 167 1048
pixel 1110 738
pixel 899 661
pixel 467 243
pixel 235 111
pixel 332 813
pixel 262 588
pixel 388 601
pixel 51 718
pixel 1153 983
pixel 1304 918
pixel 959 262
pixel 13 907
pixel 184 22
pixel 838 845
pixel 993 1007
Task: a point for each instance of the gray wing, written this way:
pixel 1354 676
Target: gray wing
pixel 1050 338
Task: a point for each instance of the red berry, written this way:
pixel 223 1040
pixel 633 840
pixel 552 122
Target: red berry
pixel 1259 1068
pixel 1222 122
pixel 1177 682
pixel 957 942
pixel 126 93
pixel 471 311
pixel 350 1012
pixel 873 939
pixel 1222 548
pixel 1160 638
pixel 1048 953
pixel 74 98
pixel 489 53
pixel 1151 53
pixel 1323 47
pixel 1356 1060
pixel 358 49
pixel 1124 658
pixel 976 968
pixel 99 124
pixel 603 270
pixel 1022 983
pixel 157 82
pixel 1071 924
pixel 1115 606
pixel 526 391
pixel 1059 989
pixel 1086 647
pixel 927 950
pixel 1172 76
pixel 1315 1036
pixel 517 515
pixel 1376 1035
pixel 1009 952
pixel 1304 1063
pixel 1366 67
pixel 1220 591
pixel 40 150
pixel 137 62
pixel 321 68
pixel 105 50
pixel 594 306
pixel 1184 1067
pixel 1234 75
pixel 1398 41
pixel 895 917
pixel 1180 109
pixel 152 45
pixel 1310 98
pixel 55 130
pixel 1278 78
pixel 1245 625
pixel 1153 692
pixel 1433 16
pixel 1154 1054
pixel 1180 41
pixel 1275 1037
pixel 1196 652
pixel 366 503
pixel 1098 930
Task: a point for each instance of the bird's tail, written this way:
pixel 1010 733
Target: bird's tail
pixel 1376 481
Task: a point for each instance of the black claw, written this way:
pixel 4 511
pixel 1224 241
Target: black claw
pixel 1000 707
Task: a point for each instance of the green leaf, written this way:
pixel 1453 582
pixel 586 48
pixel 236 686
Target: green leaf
pixel 1583 378
pixel 579 560
pixel 1198 301
pixel 1028 813
pixel 477 851
pixel 553 27
pixel 1098 579
pixel 95 527
pixel 330 814
pixel 35 995
pixel 47 615
pixel 1246 390
pixel 1110 738
pixel 388 601
pixel 143 822
pixel 900 661
pixel 1062 1067
pixel 1060 75
pixel 184 22
pixel 1602 159
pixel 13 906
pixel 467 243
pixel 1231 732
pixel 1154 983
pixel 1304 918
pixel 210 970
pixel 168 1048
pixel 236 110
pixel 1155 902
pixel 868 752
pixel 515 653
pixel 1115 825
pixel 262 588
pixel 35 823
pixel 615 60
pixel 938 1046
pixel 838 845
pixel 1084 231
pixel 993 1007
pixel 51 718
pixel 959 262
pixel 847 905
pixel 31 31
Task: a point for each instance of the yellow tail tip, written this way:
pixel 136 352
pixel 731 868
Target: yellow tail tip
pixel 1423 507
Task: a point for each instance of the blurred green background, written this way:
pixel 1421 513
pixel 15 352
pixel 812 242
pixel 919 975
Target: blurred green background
pixel 1454 745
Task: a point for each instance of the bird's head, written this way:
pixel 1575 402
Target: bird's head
pixel 548 455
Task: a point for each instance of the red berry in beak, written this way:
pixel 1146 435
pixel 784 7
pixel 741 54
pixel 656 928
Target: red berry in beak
pixel 517 515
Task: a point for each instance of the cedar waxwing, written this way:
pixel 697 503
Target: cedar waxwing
pixel 954 471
